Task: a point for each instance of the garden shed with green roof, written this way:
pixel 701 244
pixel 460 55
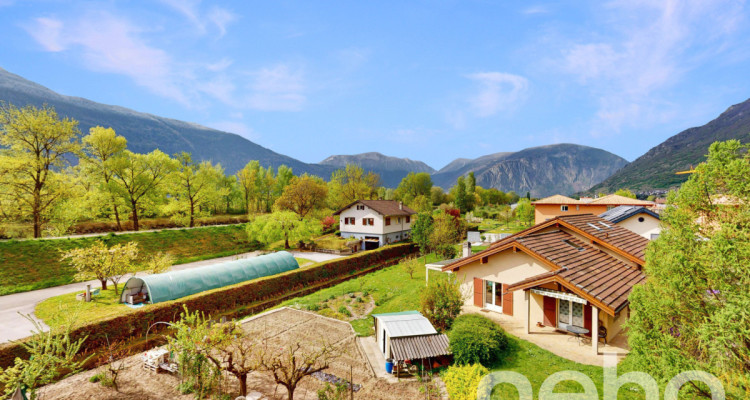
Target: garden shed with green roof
pixel 176 284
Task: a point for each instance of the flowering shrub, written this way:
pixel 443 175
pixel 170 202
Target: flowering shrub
pixel 462 381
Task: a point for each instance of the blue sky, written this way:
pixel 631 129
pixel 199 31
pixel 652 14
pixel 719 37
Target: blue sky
pixel 428 80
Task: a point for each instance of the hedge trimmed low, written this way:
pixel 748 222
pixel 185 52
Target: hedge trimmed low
pixel 234 301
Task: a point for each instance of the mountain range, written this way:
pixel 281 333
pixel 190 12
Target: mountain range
pixel 656 169
pixel 545 170
pixel 542 171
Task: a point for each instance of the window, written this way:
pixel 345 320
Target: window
pixel 641 219
pixel 408 219
pixel 564 207
pixel 398 220
pixel 368 221
pixel 610 207
pixel 349 221
pixel 360 207
pixel 654 236
pixel 387 221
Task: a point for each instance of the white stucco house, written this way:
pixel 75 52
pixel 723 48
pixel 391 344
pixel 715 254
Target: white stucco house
pixel 640 220
pixel 375 222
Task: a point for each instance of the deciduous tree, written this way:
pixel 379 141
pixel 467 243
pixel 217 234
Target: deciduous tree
pixel 139 176
pixel 247 178
pixel 350 184
pixel 102 262
pixel 192 186
pixel 52 355
pixel 303 195
pixel 35 143
pixel 100 146
pixel 460 200
pixel 441 301
pixel 447 230
pixel 284 225
pixel 693 310
pixel 625 193
pixel 421 229
pixel 296 360
pixel 525 212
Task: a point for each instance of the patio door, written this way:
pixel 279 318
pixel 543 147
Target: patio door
pixel 493 296
pixel 569 313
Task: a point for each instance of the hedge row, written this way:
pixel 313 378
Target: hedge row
pixel 232 301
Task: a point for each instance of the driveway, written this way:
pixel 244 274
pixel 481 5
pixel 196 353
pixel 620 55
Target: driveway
pixel 13 326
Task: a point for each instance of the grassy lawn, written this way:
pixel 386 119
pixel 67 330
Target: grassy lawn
pixel 537 364
pixel 60 310
pixel 391 288
pixel 303 261
pixel 35 264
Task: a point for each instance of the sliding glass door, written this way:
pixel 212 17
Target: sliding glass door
pixel 569 313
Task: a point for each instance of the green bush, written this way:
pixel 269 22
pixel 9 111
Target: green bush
pixel 345 311
pixel 476 339
pixel 462 381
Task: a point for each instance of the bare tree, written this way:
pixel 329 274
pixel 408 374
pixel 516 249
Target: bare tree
pixel 231 349
pixel 293 362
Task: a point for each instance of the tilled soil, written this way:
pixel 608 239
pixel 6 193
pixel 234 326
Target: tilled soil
pixel 276 328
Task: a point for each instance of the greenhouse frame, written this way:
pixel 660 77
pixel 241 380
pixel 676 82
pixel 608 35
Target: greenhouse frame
pixel 176 284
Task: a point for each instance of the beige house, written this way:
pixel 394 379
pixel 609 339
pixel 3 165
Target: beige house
pixel 640 220
pixel 572 273
pixel 558 205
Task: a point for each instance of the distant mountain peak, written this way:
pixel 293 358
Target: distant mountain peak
pixel 656 169
pixel 379 161
pixel 543 170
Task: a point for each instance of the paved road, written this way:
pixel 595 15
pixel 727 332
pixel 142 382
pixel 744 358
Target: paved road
pixel 13 326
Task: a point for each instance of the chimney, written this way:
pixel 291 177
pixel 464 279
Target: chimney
pixel 466 249
pixel 400 205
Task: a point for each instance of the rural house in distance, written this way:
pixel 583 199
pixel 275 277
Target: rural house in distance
pixel 640 220
pixel 375 222
pixel 559 205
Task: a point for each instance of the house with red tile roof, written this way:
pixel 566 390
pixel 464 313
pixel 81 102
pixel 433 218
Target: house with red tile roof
pixel 571 273
pixel 375 222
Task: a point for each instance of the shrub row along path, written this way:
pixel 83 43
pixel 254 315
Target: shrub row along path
pixel 85 235
pixel 14 326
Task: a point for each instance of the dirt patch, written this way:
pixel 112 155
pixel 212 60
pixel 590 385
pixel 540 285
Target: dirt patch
pixel 277 327
pixel 347 307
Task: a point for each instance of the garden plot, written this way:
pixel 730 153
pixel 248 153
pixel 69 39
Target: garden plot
pixel 274 329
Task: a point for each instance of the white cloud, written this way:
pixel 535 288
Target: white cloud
pixel 652 47
pixel 237 127
pixel 47 31
pixel 535 10
pixel 278 88
pixel 111 44
pixel 498 91
pixel 218 17
pixel 114 44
